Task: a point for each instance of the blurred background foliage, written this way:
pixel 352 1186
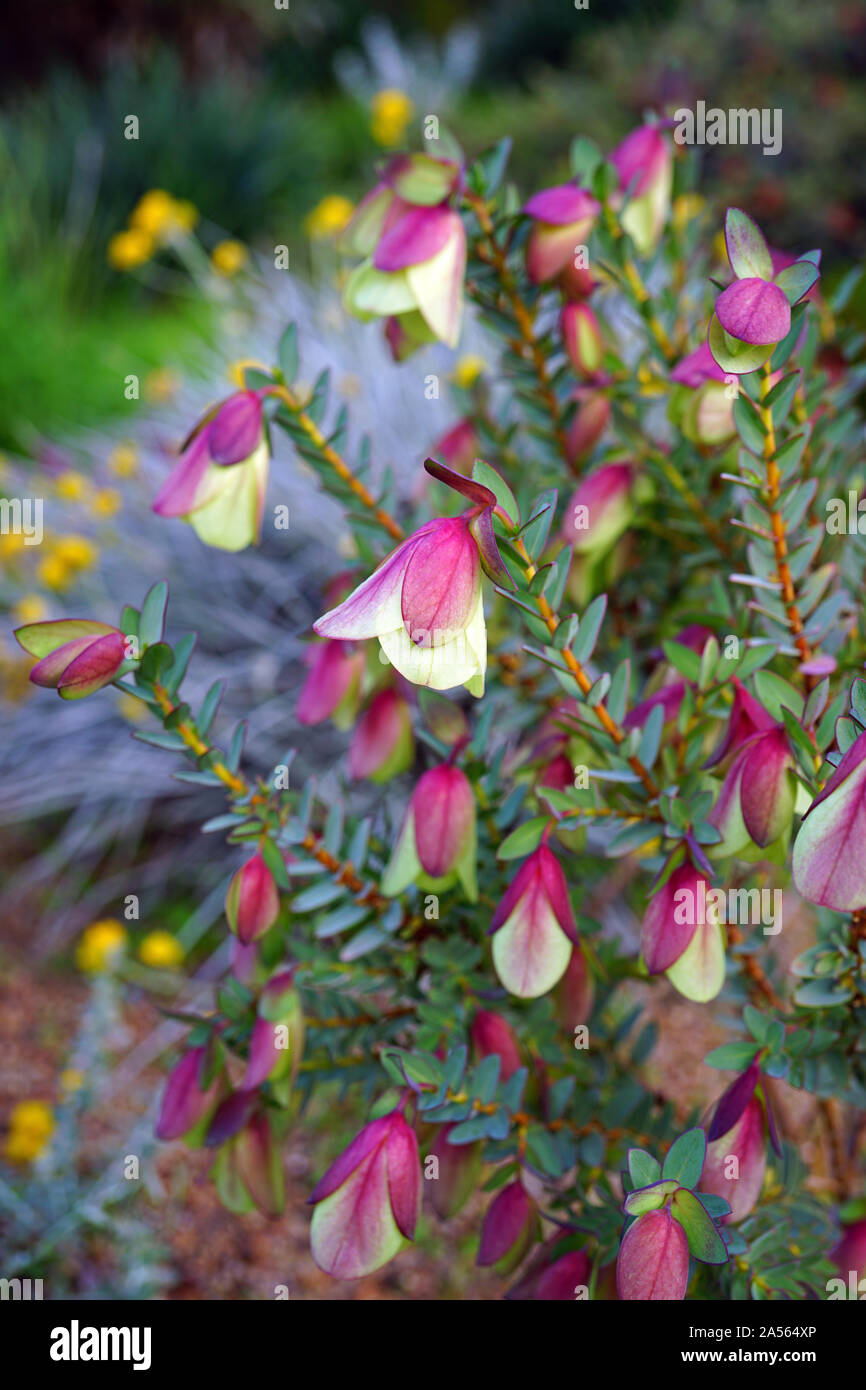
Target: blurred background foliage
pixel 254 113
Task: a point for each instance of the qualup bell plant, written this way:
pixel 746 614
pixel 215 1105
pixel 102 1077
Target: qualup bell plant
pixel 603 668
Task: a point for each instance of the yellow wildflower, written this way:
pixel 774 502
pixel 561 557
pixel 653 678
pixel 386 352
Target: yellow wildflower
pixel 123 460
pixel 161 384
pixel 391 112
pixel 228 257
pixel 71 1080
pixel 160 216
pixel 328 217
pixel 76 552
pixel 11 543
pixel 71 486
pixel 185 214
pixel 468 369
pixel 161 950
pixel 31 1125
pixel 130 248
pixel 54 574
pixel 107 501
pixel 100 946
pixel 30 609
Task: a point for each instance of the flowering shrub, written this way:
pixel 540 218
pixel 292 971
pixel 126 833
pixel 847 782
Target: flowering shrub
pixel 613 627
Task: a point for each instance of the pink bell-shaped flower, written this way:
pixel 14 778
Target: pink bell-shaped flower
pixel 368 1201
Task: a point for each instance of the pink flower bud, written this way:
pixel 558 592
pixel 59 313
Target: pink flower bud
pixel 756 801
pixel 736 1159
pixel 562 221
pixel 747 718
pixel 368 1200
pixel 492 1036
pixel 76 656
pixel 277 1041
pixel 437 839
pixel 414 245
pixel 644 163
pixel 582 338
pixel 754 311
pixel 600 510
pixel 510 1227
pixel 252 900
pixel 533 928
pixel 248 1171
pixel 653 1260
pixel 424 605
pixel 459 1169
pixel 383 744
pixel 186 1102
pixel 332 685
pixel 220 481
pixel 563 1277
pixel 682 935
pixel 849 1253
pixel 589 423
pixel 828 863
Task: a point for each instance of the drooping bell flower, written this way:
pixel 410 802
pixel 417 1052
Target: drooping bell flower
pixel 682 935
pixel 424 605
pixel 252 900
pixel 588 424
pixel 704 408
pixel 331 689
pixel 414 248
pixel 553 1279
pixel 533 928
pixel 383 744
pixel 582 338
pixel 828 861
pixel 736 1146
pixel 187 1102
pixel 459 1168
pixel 76 656
pixel 219 484
pixel 510 1227
pixel 756 800
pixel 248 1171
pixel 653 1261
pixel 562 219
pixel 747 718
pixel 754 313
pixel 277 1040
pixel 368 1201
pixel 490 1035
pixel 644 163
pixel 600 509
pixel 437 840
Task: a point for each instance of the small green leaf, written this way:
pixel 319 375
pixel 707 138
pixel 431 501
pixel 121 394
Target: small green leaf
pixel 524 839
pixel 150 627
pixel 685 1157
pixel 705 1243
pixel 643 1169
